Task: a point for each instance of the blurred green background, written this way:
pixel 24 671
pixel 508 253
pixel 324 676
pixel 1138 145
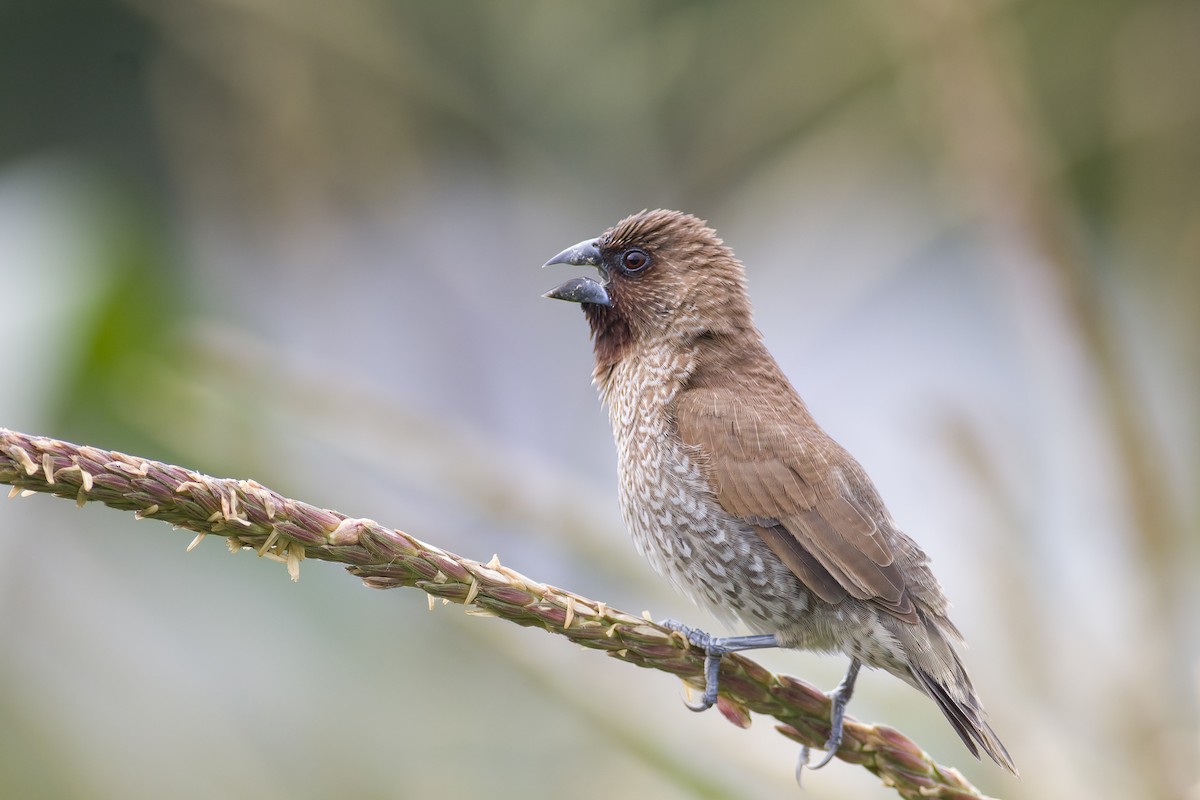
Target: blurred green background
pixel 300 241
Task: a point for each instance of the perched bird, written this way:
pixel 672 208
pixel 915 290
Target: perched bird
pixel 733 492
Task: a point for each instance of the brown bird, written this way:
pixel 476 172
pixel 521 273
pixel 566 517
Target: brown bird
pixel 733 492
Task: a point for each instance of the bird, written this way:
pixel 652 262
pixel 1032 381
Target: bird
pixel 733 492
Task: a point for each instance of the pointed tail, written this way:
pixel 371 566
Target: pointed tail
pixel 965 713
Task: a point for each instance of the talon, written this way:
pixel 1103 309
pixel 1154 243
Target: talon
pixel 714 647
pixel 829 754
pixel 837 716
pixel 712 679
pixel 801 763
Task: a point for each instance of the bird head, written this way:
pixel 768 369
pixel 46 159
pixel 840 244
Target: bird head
pixel 663 274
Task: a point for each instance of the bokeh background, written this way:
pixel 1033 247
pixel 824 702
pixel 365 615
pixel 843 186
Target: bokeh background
pixel 300 241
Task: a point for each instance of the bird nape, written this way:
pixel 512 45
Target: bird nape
pixel 733 492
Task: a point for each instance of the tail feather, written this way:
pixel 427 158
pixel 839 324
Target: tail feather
pixel 967 718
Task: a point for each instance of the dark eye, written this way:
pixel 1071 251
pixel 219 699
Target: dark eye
pixel 635 260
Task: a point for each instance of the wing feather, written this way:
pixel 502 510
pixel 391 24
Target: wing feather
pixel 800 491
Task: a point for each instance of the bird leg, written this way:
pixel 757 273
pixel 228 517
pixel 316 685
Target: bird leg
pixel 714 647
pixel 837 714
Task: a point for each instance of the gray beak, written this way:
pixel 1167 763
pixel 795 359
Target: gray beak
pixel 586 253
pixel 580 290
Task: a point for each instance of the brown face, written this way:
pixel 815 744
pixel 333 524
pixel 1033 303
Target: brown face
pixel 657 269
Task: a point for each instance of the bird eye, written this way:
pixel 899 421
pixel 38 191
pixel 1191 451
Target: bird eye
pixel 635 260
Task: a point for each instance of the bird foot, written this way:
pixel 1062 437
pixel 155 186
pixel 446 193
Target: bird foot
pixel 714 647
pixel 838 699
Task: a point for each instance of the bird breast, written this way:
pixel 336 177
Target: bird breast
pixel 671 511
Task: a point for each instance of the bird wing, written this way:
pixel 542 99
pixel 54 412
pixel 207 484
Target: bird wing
pixel 799 490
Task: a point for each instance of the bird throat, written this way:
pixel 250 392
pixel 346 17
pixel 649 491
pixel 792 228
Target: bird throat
pixel 612 337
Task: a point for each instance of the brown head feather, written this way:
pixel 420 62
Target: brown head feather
pixel 692 285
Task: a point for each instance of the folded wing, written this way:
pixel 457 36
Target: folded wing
pixel 800 491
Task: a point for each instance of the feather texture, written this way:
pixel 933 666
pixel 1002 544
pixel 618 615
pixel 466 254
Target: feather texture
pixel 732 490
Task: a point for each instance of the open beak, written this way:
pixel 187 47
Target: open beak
pixel 580 290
